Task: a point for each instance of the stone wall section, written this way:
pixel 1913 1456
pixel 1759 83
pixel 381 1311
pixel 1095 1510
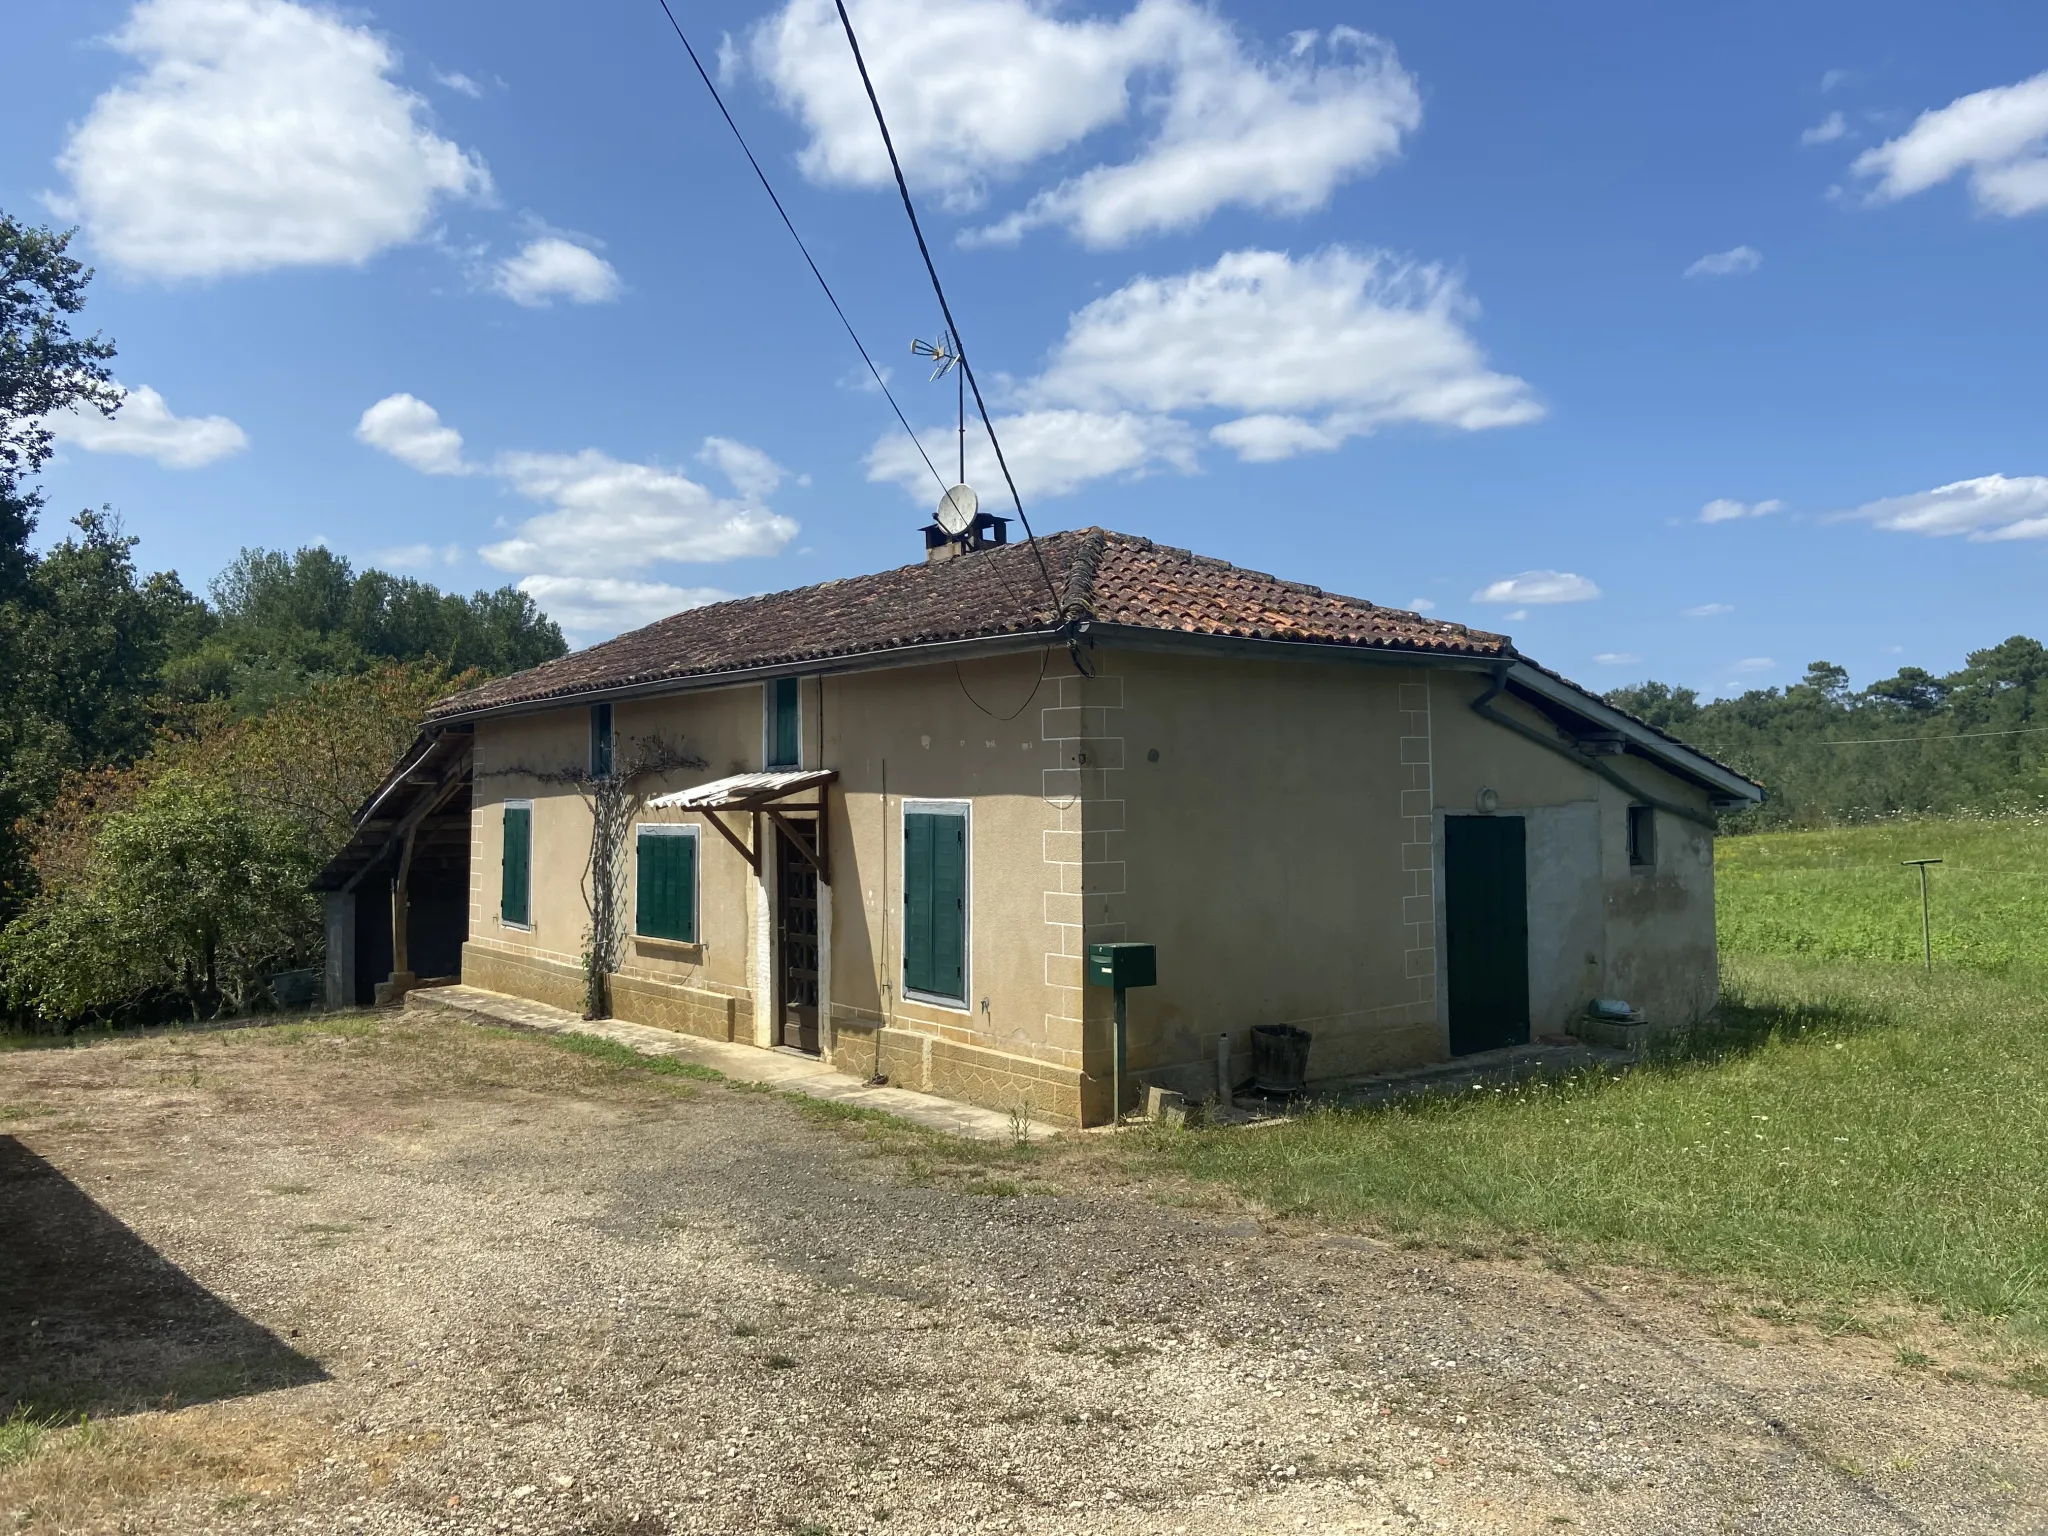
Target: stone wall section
pixel 1418 852
pixel 1084 868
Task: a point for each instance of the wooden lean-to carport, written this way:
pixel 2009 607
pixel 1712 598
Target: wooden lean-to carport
pixel 398 893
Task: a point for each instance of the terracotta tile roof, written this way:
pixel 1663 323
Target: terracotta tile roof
pixel 1101 577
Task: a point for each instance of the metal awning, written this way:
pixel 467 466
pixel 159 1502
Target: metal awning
pixel 761 794
pixel 744 791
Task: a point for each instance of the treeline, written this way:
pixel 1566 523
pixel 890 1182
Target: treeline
pixel 175 766
pixel 1974 741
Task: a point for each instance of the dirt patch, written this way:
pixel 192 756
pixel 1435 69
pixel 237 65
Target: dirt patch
pixel 447 1281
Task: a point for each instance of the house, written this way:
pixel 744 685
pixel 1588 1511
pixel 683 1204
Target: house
pixel 882 818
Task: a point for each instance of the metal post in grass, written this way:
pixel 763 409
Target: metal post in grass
pixel 1926 929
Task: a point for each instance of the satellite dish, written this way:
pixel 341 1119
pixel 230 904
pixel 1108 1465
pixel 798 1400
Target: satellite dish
pixel 957 508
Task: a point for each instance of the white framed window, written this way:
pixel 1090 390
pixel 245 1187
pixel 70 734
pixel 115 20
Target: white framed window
pixel 515 866
pixel 665 882
pixel 937 901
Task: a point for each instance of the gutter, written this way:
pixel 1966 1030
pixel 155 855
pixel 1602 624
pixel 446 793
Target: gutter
pixel 1483 707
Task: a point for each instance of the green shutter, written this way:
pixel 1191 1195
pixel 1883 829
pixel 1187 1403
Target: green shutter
pixel 935 903
pixel 666 904
pixel 784 749
pixel 515 901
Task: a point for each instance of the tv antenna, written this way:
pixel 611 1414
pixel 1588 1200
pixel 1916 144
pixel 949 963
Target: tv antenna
pixel 945 355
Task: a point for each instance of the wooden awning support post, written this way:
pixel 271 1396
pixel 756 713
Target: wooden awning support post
pixel 751 855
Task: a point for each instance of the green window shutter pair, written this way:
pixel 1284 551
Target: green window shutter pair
pixel 784 744
pixel 515 900
pixel 666 904
pixel 935 903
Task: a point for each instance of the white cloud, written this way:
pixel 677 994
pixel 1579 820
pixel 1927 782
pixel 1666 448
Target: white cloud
pixel 1738 262
pixel 147 427
pixel 1516 617
pixel 411 431
pixel 418 557
pixel 2000 136
pixel 609 515
pixel 1051 452
pixel 595 607
pixel 1755 664
pixel 752 473
pixel 1987 509
pixel 1722 510
pixel 457 81
pixel 1709 610
pixel 982 89
pixel 1420 605
pixel 1830 128
pixel 1616 659
pixel 1538 587
pixel 549 268
pixel 1356 340
pixel 1831 79
pixel 258 134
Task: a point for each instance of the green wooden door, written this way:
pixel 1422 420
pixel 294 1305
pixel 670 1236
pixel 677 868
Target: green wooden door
pixel 1486 931
pixel 935 904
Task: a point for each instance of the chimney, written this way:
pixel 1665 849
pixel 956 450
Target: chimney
pixel 984 532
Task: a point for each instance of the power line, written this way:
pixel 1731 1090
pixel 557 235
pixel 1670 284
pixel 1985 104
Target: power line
pixel 959 344
pixel 762 175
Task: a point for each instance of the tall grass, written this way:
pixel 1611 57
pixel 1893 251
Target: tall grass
pixel 1844 893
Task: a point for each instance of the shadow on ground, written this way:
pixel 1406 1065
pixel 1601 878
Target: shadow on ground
pixel 95 1321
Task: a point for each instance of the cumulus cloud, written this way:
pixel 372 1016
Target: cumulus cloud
pixel 418 557
pixel 258 133
pixel 1826 131
pixel 1999 136
pixel 1420 605
pixel 593 607
pixel 1294 356
pixel 608 514
pixel 1990 508
pixel 752 473
pixel 1709 610
pixel 148 428
pixel 1538 587
pixel 979 90
pixel 412 432
pixel 1051 453
pixel 1723 510
pixel 457 81
pixel 1738 262
pixel 606 519
pixel 1616 659
pixel 550 268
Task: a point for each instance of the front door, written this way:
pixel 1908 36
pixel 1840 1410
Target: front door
pixel 1486 931
pixel 797 939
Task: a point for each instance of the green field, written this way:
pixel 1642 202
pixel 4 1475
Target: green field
pixel 1853 1134
pixel 1845 894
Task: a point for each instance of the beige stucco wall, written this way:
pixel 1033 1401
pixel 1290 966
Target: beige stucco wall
pixel 1283 851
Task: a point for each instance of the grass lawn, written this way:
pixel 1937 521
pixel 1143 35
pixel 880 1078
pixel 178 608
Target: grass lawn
pixel 1855 1133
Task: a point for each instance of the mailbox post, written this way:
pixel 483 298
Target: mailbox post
pixel 1120 966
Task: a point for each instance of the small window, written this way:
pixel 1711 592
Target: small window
pixel 783 724
pixel 935 901
pixel 515 898
pixel 600 741
pixel 665 905
pixel 1642 836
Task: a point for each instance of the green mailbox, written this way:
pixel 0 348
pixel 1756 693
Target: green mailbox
pixel 1121 966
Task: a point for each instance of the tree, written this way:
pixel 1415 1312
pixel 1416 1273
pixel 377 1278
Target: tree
pixel 43 368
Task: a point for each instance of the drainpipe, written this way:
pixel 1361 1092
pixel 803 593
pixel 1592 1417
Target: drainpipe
pixel 1483 707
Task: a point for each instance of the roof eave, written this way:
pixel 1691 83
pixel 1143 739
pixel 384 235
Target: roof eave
pixel 1715 777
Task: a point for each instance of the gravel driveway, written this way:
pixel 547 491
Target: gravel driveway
pixel 421 1278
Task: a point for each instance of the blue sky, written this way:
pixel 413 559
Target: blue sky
pixel 1693 343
